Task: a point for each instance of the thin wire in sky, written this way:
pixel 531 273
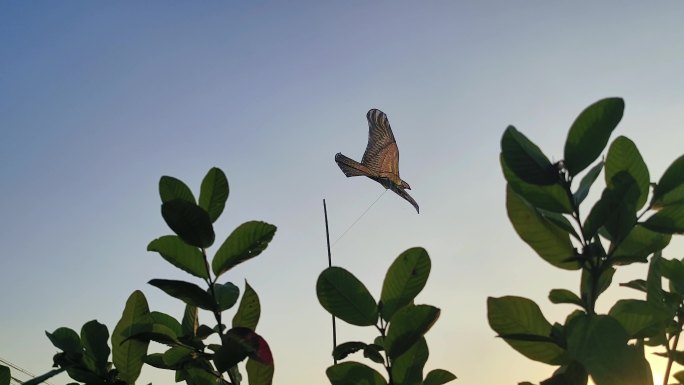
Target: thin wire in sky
pixel 360 216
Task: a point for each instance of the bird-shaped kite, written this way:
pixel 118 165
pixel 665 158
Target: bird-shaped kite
pixel 380 162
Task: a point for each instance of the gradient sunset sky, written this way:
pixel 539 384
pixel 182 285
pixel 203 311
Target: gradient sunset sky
pixel 99 99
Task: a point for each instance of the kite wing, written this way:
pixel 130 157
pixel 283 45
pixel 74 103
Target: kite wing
pixel 382 154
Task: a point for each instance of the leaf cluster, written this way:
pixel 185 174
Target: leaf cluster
pixel 543 204
pixel 400 346
pixel 190 351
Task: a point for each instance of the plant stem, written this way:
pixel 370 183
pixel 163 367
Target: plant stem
pixel 670 356
pixel 211 282
pixel 388 364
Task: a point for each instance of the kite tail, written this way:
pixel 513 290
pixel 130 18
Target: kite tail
pixel 360 216
pixel 350 167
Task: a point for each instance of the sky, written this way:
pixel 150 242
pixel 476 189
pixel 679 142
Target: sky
pixel 98 100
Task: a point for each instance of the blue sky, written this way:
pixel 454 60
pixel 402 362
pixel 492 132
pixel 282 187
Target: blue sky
pixel 99 99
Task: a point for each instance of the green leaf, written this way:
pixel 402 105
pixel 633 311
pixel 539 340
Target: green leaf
pixel 372 352
pixel 128 356
pixel 245 242
pixel 549 241
pixel 180 254
pixel 616 209
pixel 516 315
pixel 590 132
pixel 186 292
pixel 146 330
pixel 214 193
pixel 550 197
pixel 5 375
pixel 571 374
pixel 156 360
pixel 168 321
pixel 171 188
pixel 36 380
pixel 604 281
pixel 405 278
pixel 670 187
pixel 623 155
pixel 342 350
pixel 669 220
pixel 674 271
pixel 197 376
pixel 189 221
pixel 226 295
pixel 586 183
pixel 249 310
pixel 408 368
pixel 526 160
pixel 94 337
pixel 636 284
pixel 408 325
pixel 66 340
pixel 599 343
pixel 238 344
pixel 679 376
pixel 190 322
pixel 565 296
pixel 640 319
pixel 259 373
pixel 638 245
pixel 176 356
pixel 345 297
pixel 561 221
pixel 354 373
pixel 438 377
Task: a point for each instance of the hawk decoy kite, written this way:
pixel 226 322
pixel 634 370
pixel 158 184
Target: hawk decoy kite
pixel 380 162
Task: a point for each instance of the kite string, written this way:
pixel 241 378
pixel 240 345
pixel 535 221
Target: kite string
pixel 360 216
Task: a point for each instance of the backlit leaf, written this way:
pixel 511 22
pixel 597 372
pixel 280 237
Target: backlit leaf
pixel 623 155
pixel 438 377
pixel 66 340
pixel 599 343
pixel 171 188
pixel 259 373
pixel 405 278
pixel 354 373
pixel 345 297
pixel 586 183
pixel 549 197
pixel 516 315
pixel 247 241
pixel 564 296
pixel 342 350
pixel 180 254
pixel 408 325
pixel 189 221
pixel 128 356
pixel 94 338
pixel 670 187
pixel 249 310
pixel 590 132
pixel 408 367
pixel 640 319
pixel 638 245
pixel 669 220
pixel 186 292
pixel 549 241
pixel 526 160
pixel 214 193
pixel 227 295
